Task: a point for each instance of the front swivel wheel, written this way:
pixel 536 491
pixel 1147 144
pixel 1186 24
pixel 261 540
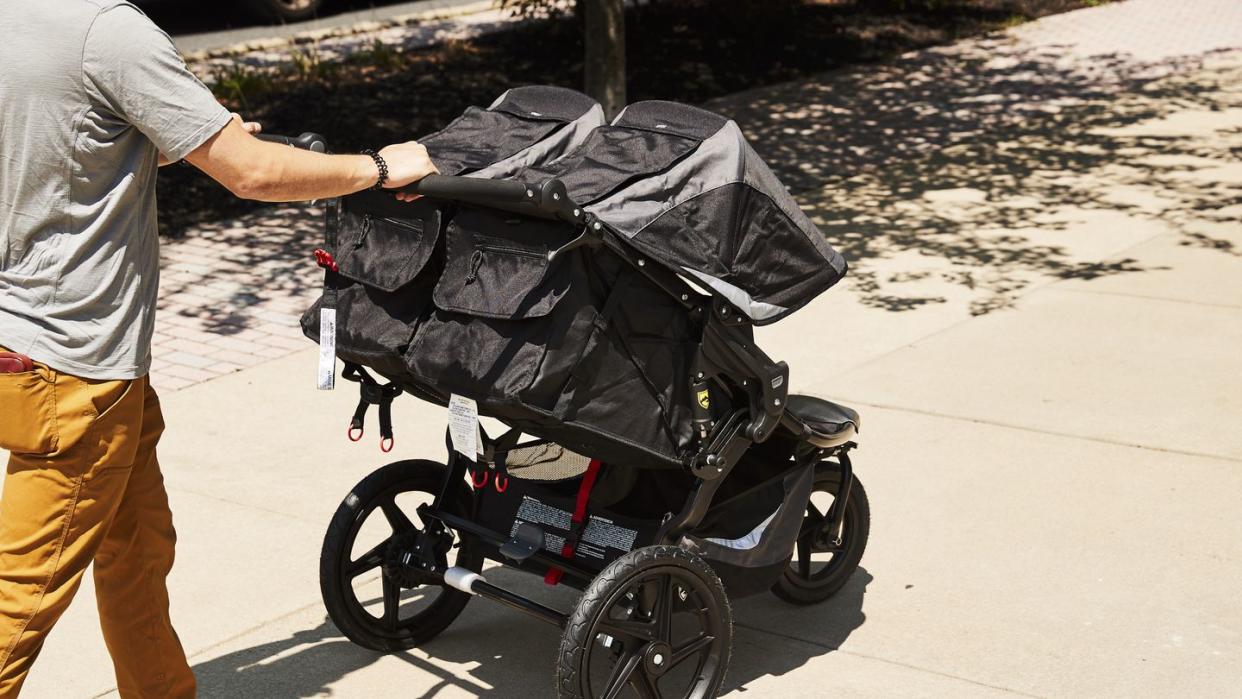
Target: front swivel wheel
pixel 824 560
pixel 377 554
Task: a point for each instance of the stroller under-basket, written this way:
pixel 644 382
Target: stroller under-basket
pixel 593 287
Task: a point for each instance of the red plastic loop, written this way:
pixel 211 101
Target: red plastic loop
pixel 500 488
pixel 352 438
pixel 474 478
pixel 324 259
pixel 386 444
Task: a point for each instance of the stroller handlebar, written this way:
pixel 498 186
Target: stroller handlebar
pixel 473 189
pixel 307 141
pixel 548 199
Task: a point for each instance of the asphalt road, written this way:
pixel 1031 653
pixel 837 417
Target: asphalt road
pixel 203 26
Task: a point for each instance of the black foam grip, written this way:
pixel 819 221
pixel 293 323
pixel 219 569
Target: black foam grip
pixel 307 141
pixel 471 189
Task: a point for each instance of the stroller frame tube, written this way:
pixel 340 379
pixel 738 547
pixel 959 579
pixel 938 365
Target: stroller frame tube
pixel 472 583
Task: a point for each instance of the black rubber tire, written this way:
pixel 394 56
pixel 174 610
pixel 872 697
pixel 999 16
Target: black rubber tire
pixel 283 11
pixel 339 598
pixel 608 589
pixel 792 586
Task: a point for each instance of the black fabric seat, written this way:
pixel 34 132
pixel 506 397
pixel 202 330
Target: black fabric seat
pixel 827 424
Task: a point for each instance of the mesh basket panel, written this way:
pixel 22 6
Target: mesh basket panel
pixel 545 461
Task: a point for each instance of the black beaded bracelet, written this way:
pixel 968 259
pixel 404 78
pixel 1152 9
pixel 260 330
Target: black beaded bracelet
pixel 379 165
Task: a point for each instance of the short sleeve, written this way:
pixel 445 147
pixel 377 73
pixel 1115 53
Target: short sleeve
pixel 136 72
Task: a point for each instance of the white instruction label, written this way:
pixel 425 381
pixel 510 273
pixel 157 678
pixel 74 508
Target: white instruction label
pixel 464 426
pixel 327 349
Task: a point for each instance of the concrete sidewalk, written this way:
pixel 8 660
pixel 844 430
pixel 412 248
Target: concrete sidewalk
pixel 1042 330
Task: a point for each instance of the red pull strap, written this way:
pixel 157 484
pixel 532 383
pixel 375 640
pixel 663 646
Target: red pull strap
pixel 553 575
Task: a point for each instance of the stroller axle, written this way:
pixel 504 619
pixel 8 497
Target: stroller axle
pixel 472 583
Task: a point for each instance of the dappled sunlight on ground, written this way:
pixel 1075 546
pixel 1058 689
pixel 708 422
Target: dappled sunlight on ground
pixel 988 165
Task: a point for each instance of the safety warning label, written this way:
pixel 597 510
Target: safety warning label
pixel 537 512
pixel 604 532
pixel 599 535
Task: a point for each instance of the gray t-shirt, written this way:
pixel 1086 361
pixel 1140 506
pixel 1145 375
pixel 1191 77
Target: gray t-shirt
pixel 91 91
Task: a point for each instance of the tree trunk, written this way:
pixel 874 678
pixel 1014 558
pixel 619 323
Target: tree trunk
pixel 604 27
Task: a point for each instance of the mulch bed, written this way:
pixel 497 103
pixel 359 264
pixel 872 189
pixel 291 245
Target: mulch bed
pixel 688 51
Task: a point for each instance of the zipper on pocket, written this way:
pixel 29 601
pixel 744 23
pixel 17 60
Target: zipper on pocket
pixel 476 257
pixel 400 223
pixel 485 247
pixel 369 220
pixel 476 260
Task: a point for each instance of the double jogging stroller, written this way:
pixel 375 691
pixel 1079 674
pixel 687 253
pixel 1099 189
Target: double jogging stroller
pixel 593 287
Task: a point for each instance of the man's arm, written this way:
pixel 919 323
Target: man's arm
pixel 254 169
pixel 253 128
pixel 133 69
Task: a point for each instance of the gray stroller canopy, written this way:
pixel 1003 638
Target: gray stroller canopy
pixel 525 126
pixel 683 186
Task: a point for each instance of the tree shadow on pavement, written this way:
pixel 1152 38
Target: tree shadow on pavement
pixel 504 653
pixel 231 276
pixel 976 161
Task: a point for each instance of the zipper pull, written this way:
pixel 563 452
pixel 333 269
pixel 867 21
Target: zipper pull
pixel 476 261
pixel 366 228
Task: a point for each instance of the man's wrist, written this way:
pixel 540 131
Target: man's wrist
pixel 365 173
pixel 381 168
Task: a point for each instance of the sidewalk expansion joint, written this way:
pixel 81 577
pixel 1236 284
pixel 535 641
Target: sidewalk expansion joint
pixel 246 505
pixel 1146 297
pixel 1038 430
pixel 257 627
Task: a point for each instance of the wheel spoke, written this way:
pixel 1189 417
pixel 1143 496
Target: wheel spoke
pixel 662 614
pixel 645 684
pixel 640 631
pixel 813 515
pixel 620 675
pixel 397 519
pixel 804 557
pixel 392 600
pixel 690 648
pixel 368 561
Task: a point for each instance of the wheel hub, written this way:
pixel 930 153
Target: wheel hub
pixel 657 658
pixel 405 561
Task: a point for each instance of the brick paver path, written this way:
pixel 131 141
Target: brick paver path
pixel 231 295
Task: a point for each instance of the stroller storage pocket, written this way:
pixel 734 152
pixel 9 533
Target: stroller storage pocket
pixel 499 307
pixel 384 252
pixel 382 248
pixel 502 273
pixel 749 540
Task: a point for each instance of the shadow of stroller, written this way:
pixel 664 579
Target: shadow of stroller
pixel 515 655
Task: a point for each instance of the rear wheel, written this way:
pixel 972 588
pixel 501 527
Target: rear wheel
pixel 655 623
pixel 821 565
pixel 372 569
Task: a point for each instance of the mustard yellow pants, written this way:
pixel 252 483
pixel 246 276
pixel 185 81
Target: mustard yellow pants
pixel 83 485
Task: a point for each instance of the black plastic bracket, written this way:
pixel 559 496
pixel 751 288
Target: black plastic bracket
pixel 724 449
pixel 553 198
pixel 526 541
